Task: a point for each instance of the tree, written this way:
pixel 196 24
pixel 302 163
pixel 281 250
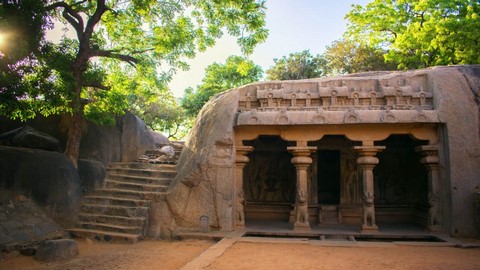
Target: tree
pixel 129 47
pixel 420 34
pixel 235 72
pixel 346 56
pixel 299 65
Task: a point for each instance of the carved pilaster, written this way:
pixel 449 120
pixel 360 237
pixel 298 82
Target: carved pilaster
pixel 241 160
pixel 301 160
pixel 367 162
pixel 431 161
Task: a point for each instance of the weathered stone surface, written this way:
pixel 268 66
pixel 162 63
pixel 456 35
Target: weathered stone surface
pixel 28 137
pixel 159 138
pixel 49 178
pixel 124 141
pixel 24 224
pixel 136 138
pixel 57 250
pixel 92 174
pixel 439 105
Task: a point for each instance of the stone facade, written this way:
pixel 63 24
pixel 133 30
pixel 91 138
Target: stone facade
pixel 366 149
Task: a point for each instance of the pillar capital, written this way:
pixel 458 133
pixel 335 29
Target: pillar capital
pixel 429 153
pixel 368 150
pixel 241 152
pixel 301 151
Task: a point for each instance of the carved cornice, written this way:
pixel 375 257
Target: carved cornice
pixel 394 99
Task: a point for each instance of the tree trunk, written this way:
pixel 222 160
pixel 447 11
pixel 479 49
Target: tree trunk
pixel 72 149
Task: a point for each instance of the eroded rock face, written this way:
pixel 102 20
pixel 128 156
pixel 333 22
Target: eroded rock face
pixel 48 178
pixel 28 137
pixel 444 97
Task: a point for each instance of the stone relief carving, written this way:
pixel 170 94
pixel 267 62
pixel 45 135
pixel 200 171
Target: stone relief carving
pixel 434 211
pixel 351 178
pixel 301 215
pixel 368 210
pixel 384 95
pixel 240 209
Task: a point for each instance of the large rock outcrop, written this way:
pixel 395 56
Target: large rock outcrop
pixel 125 141
pixel 205 181
pixel 48 178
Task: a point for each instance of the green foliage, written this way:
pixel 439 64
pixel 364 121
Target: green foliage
pixel 300 65
pixel 124 55
pixel 420 33
pixel 235 72
pixel 346 56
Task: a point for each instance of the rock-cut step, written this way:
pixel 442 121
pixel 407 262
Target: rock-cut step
pixel 105 236
pixel 119 210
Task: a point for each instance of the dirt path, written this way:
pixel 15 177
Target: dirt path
pixel 245 255
pixel 105 256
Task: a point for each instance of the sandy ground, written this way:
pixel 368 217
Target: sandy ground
pixel 304 256
pixel 107 256
pixel 244 255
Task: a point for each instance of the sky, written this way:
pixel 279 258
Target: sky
pixel 294 26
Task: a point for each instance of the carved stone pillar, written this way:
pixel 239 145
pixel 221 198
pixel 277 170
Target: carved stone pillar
pixel 241 160
pixel 430 160
pixel 301 160
pixel 367 161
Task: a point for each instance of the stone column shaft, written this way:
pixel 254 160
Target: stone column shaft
pixel 367 162
pixel 431 162
pixel 301 160
pixel 241 160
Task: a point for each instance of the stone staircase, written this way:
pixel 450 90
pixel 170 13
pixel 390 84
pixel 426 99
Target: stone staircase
pixel 119 210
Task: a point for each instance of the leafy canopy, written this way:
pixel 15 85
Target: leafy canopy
pixel 299 65
pixel 235 72
pixel 347 56
pixel 420 33
pixel 124 53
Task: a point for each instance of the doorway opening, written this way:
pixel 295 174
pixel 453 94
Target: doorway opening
pixel 269 180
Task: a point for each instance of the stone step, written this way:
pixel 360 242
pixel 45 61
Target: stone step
pixel 105 235
pixel 142 165
pixel 111 200
pixel 119 220
pixel 163 174
pixel 115 210
pixel 135 186
pixel 138 179
pixel 110 227
pixel 128 194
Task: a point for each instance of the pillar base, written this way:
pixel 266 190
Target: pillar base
pixel 435 228
pixel 301 226
pixel 369 228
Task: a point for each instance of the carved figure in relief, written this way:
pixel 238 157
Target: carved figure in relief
pixel 373 99
pixel 308 100
pixel 293 100
pixel 248 102
pixel 301 207
pixel 350 181
pixel 368 210
pixel 333 99
pixel 434 212
pixel 240 209
pixel 269 100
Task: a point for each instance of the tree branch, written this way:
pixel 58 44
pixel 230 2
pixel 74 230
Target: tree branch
pixel 111 54
pixel 92 21
pixel 96 85
pixel 71 15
